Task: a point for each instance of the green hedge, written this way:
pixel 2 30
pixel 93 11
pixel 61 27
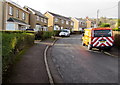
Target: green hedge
pixel 116 29
pixel 13 44
pixel 41 35
pixel 105 25
pixel 18 31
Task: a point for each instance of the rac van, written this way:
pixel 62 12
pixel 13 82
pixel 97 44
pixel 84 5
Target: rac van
pixel 101 38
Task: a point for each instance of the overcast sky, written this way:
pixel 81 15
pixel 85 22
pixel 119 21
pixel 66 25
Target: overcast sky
pixel 75 8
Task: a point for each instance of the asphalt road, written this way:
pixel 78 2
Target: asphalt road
pixel 78 65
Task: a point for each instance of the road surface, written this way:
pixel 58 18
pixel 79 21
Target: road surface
pixel 76 64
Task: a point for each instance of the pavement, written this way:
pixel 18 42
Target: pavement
pixel 76 64
pixel 115 51
pixel 31 68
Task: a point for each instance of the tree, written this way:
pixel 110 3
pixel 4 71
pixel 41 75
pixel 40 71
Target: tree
pixel 105 25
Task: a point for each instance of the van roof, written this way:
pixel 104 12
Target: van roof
pixel 100 28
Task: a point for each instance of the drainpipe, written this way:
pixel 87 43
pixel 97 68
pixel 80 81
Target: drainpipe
pixel 5 10
pixel 6 7
pixel 3 14
pixel 3 1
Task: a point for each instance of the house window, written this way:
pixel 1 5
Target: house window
pixel 81 23
pixel 62 21
pixel 56 19
pixel 38 18
pixel 41 19
pixel 10 10
pixel 72 23
pixel 23 16
pixel 45 20
pixel 10 26
pixel 67 22
pixel 17 13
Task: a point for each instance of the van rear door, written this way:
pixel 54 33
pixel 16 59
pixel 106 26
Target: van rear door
pixel 102 38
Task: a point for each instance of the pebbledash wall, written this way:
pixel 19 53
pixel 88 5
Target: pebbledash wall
pixel 1 26
pixel 1 14
pixel 0 58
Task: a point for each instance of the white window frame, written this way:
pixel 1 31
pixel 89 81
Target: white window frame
pixel 10 10
pixel 67 22
pixel 41 19
pixel 62 21
pixel 72 23
pixel 56 19
pixel 10 26
pixel 45 20
pixel 38 18
pixel 45 28
pixel 17 13
pixel 23 16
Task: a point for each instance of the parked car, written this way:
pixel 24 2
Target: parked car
pixel 29 29
pixel 65 32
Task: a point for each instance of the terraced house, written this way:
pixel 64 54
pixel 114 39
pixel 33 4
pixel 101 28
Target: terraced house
pixel 58 22
pixel 91 23
pixel 38 21
pixel 1 15
pixel 14 17
pixel 79 24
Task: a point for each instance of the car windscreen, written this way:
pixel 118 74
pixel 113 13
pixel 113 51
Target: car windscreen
pixel 102 33
pixel 64 31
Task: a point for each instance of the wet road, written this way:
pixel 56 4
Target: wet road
pixel 78 65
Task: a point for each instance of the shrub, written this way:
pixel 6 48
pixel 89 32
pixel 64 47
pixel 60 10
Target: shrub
pixel 56 33
pixel 12 44
pixel 41 35
pixel 116 29
pixel 105 25
pixel 18 31
pixel 47 34
pixel 38 35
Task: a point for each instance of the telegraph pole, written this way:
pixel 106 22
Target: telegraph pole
pixel 97 21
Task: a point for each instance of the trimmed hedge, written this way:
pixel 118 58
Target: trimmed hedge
pixel 42 35
pixel 13 44
pixel 105 25
pixel 18 31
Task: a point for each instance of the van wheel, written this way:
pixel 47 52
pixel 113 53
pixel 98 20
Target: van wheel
pixel 89 47
pixel 108 49
pixel 83 44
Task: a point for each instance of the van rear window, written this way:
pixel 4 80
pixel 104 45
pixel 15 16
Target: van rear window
pixel 102 33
